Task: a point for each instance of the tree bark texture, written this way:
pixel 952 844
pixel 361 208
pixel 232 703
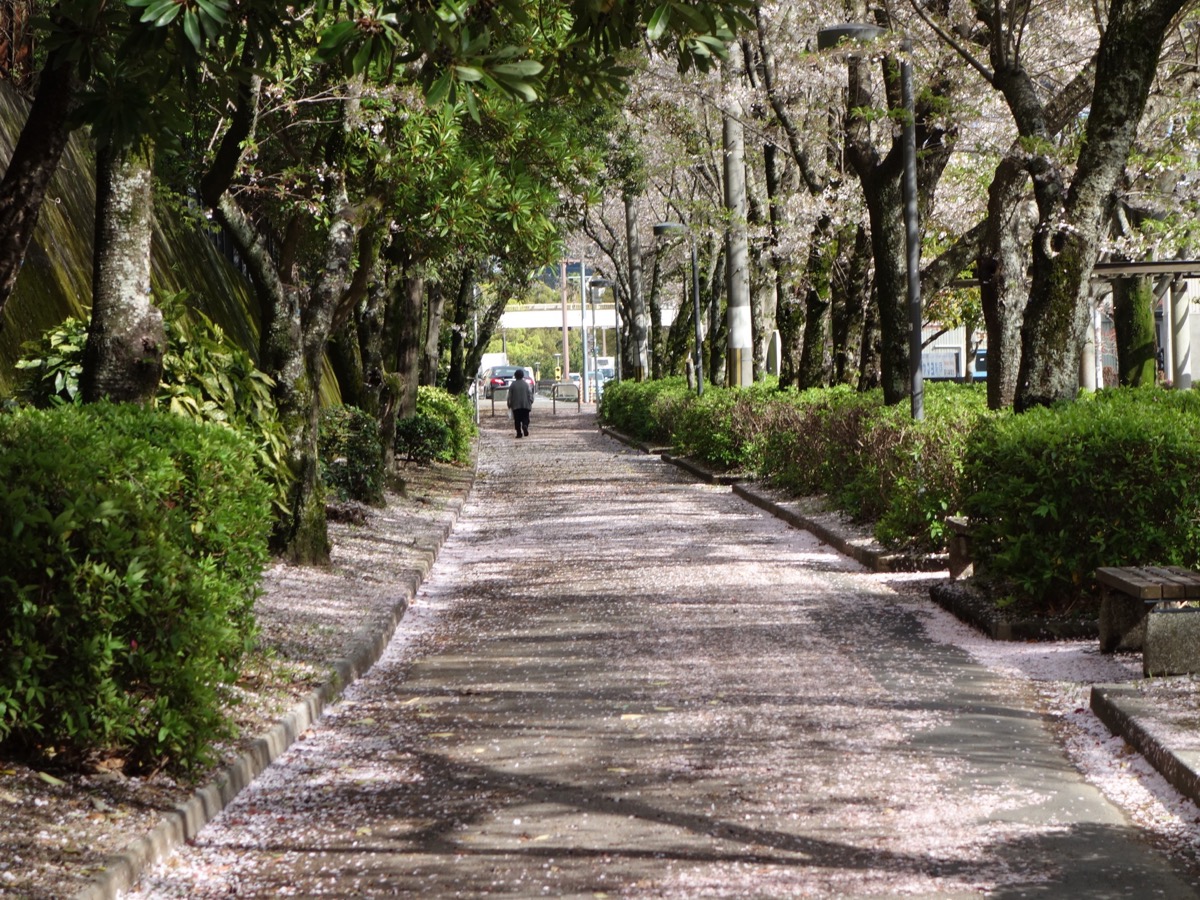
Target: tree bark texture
pixel 814 366
pixel 436 306
pixel 639 339
pixel 408 297
pixel 849 311
pixel 1003 285
pixel 1064 251
pixel 458 378
pixel 123 360
pixel 1133 316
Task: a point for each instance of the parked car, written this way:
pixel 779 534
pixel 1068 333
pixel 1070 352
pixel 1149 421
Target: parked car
pixel 500 377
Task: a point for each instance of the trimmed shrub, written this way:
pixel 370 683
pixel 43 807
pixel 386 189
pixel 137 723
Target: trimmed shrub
pixel 205 378
pixel 351 454
pixel 1105 481
pixel 645 410
pixel 722 428
pixel 442 429
pixel 133 543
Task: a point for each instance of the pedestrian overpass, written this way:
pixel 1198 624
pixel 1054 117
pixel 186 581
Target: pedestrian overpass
pixel 552 315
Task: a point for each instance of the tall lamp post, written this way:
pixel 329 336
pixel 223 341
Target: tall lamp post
pixel 828 38
pixel 598 285
pixel 679 228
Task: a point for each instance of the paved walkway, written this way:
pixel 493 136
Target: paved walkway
pixel 617 682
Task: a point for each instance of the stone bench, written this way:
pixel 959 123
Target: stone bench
pixel 1146 608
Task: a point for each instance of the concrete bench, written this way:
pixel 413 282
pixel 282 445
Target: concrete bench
pixel 1146 608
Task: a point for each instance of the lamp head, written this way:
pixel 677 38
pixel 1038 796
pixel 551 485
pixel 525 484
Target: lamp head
pixel 860 32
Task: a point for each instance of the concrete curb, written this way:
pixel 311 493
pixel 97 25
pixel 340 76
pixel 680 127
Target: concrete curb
pixel 833 528
pixel 184 822
pixel 704 473
pixel 830 527
pixel 1127 715
pixel 652 449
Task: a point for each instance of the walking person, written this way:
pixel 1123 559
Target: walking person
pixel 520 401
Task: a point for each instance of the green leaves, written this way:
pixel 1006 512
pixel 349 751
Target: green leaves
pixel 201 19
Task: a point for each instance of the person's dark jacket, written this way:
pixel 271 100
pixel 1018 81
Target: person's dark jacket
pixel 520 394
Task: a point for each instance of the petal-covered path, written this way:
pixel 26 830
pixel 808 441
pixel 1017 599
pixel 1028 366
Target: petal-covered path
pixel 619 682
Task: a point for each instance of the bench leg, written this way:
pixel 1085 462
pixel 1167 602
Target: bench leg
pixel 1122 621
pixel 960 563
pixel 1172 645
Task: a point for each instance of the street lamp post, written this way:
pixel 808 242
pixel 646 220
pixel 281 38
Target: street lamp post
pixel 858 31
pixel 598 285
pixel 678 228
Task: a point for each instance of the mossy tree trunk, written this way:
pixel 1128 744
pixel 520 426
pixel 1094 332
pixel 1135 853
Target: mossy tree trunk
pixel 435 303
pixel 123 359
pixel 296 322
pixel 848 321
pixel 815 358
pixel 1064 250
pixel 404 311
pixel 1133 316
pixel 458 378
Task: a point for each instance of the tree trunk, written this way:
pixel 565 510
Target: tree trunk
pixel 436 302
pixel 345 358
pixel 123 360
pixel 459 378
pixel 814 358
pixel 34 160
pixel 370 344
pixel 408 297
pixel 1133 316
pixel 869 366
pixel 1003 286
pixel 885 208
pixel 1064 250
pixel 638 326
pixel 849 311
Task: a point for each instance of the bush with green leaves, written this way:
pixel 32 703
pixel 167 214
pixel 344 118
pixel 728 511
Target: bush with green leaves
pixel 205 378
pixel 351 454
pixel 133 543
pixel 645 410
pixel 722 426
pixel 442 429
pixel 1104 481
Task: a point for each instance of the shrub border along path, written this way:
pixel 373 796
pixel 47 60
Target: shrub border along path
pixel 401 572
pixel 1156 717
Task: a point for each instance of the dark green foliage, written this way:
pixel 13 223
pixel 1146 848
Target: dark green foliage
pixel 869 459
pixel 442 429
pixel 351 454
pixel 422 438
pixel 645 410
pixel 132 545
pixel 205 378
pixel 1107 481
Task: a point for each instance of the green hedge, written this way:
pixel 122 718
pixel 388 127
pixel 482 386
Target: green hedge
pixel 442 429
pixel 1105 481
pixel 351 454
pixel 132 544
pixel 645 410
